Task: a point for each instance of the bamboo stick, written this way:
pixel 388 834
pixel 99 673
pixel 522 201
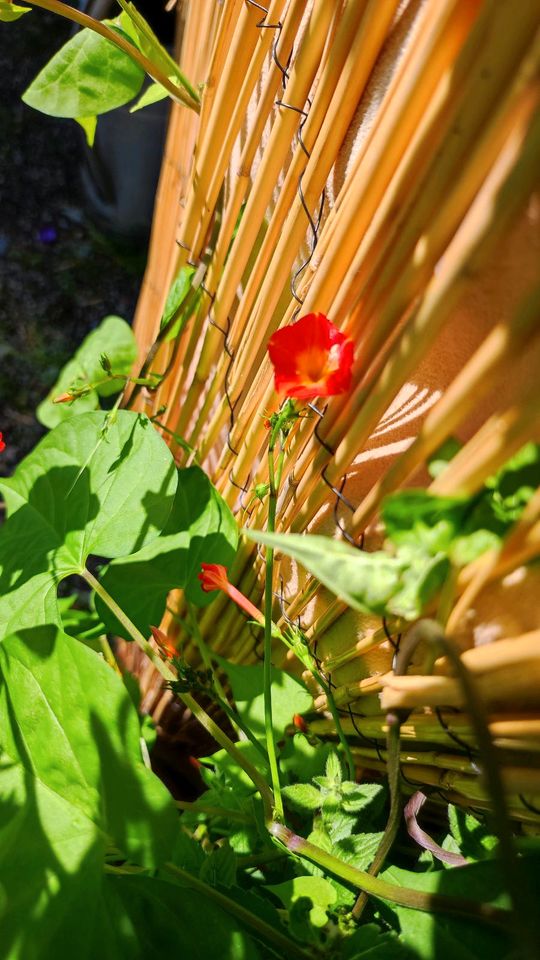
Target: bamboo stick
pixel 368 39
pixel 504 344
pixel 511 182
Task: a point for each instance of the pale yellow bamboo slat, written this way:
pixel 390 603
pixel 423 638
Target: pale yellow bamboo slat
pixel 353 79
pixel 239 190
pixel 175 171
pixel 506 341
pixel 296 92
pixel 200 204
pixel 482 156
pixel 515 175
pixel 227 23
pixel 496 441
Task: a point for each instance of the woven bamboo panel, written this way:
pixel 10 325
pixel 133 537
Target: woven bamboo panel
pixel 376 161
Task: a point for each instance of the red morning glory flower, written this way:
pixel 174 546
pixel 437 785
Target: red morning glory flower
pixel 311 358
pixel 2 444
pixel 214 577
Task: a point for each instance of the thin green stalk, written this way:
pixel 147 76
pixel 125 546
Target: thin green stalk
pixel 288 948
pixel 188 701
pixel 374 886
pixel 70 13
pixel 274 480
pixel 222 812
pixel 108 655
pixel 219 692
pixel 332 706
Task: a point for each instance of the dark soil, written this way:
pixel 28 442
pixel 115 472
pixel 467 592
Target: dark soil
pixel 59 276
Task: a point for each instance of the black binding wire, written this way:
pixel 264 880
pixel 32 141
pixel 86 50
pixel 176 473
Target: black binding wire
pixel 528 805
pixel 394 643
pixel 191 262
pixel 243 489
pixel 232 404
pixel 374 744
pixel 340 498
pixel 280 597
pixel 278 27
pixel 470 751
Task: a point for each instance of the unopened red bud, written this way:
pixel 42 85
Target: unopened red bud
pixel 300 723
pixel 165 645
pixel 63 398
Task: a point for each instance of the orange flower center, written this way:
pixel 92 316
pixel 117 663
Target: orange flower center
pixel 317 364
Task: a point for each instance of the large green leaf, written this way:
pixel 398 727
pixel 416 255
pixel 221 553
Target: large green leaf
pixel 447 937
pixel 289 696
pixel 368 942
pixel 317 889
pixel 78 493
pixel 69 720
pixel 89 75
pixel 200 529
pixel 369 582
pixel 10 12
pixel 366 581
pixel 114 337
pixel 56 900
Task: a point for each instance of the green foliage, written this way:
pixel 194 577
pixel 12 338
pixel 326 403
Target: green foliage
pixel 81 491
pixel 426 535
pixel 289 696
pixel 444 937
pixel 114 338
pixel 153 94
pixel 88 76
pixel 200 528
pixel 470 836
pixel 72 784
pixel 182 300
pixel 10 11
pixel 321 894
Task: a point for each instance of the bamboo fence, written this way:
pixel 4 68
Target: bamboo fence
pixel 377 161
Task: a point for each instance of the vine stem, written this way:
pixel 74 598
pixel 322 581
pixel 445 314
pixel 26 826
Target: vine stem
pixel 332 706
pixel 70 13
pixel 219 692
pixel 288 948
pixel 374 886
pixel 168 674
pixel 274 478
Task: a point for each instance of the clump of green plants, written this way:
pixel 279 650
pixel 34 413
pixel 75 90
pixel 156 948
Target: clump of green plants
pixel 284 852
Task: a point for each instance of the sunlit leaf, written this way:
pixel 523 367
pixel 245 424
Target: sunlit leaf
pixel 114 337
pixel 88 76
pixel 79 493
pixel 200 528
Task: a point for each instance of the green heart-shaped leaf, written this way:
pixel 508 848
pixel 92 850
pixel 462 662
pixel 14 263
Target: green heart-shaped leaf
pixel 89 75
pixel 87 488
pixel 67 717
pixel 113 337
pixel 200 529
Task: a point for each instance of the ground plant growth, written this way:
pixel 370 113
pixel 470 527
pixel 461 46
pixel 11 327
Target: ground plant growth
pixel 294 848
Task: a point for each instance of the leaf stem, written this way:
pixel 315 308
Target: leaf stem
pixel 287 948
pixel 70 13
pixel 164 669
pixel 374 886
pixel 274 481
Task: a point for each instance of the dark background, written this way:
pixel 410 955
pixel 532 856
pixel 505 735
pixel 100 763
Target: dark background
pixel 59 273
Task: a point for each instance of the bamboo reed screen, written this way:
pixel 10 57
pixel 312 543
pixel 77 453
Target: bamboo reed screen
pixel 376 161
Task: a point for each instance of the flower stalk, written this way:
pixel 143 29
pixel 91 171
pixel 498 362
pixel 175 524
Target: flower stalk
pixel 168 674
